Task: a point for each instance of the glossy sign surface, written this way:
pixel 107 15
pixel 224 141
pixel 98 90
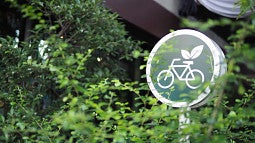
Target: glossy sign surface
pixel 182 65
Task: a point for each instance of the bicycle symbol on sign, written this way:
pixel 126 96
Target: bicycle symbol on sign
pixel 165 78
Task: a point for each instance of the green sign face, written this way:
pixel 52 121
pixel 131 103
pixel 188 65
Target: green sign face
pixel 181 67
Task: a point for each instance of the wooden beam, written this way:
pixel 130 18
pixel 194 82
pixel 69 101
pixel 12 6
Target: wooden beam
pixel 145 14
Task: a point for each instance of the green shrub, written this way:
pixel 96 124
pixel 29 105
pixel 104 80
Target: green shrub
pixel 78 89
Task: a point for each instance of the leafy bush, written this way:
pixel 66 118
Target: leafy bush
pixel 75 88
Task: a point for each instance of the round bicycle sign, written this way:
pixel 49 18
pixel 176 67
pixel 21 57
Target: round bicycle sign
pixel 182 65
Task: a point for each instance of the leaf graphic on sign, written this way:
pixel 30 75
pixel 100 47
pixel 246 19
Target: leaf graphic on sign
pixel 185 54
pixel 196 51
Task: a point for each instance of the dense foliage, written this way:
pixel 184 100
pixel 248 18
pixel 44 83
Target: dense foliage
pixel 69 83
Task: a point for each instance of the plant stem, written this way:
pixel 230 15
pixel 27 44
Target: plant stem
pixel 219 90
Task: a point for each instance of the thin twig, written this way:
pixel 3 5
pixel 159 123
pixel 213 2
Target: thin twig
pixel 219 90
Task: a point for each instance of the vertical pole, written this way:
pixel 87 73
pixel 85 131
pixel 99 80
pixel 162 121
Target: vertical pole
pixel 183 121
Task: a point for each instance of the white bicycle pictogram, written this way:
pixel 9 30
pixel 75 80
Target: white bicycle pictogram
pixel 165 78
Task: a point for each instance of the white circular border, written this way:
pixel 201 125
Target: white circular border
pixel 216 72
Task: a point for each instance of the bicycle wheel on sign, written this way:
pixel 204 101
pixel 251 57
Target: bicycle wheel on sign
pixel 194 79
pixel 165 79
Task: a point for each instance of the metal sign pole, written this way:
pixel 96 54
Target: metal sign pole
pixel 184 120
